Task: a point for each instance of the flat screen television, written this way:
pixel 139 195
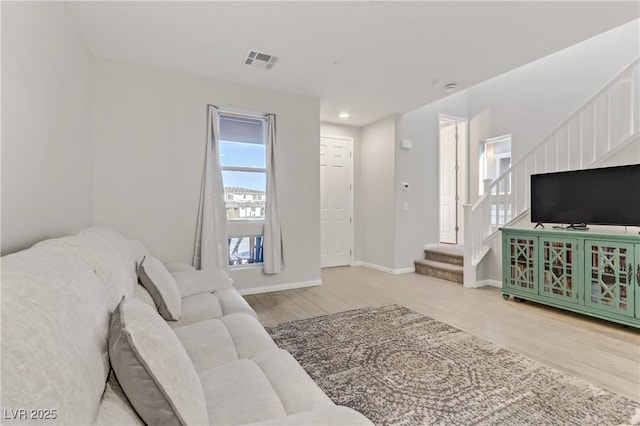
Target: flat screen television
pixel 603 196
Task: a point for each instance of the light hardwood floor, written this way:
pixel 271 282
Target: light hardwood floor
pixel 602 353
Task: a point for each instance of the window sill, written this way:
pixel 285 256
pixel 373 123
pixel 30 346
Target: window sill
pixel 246 266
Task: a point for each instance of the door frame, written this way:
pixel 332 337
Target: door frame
pixel 349 140
pixel 463 174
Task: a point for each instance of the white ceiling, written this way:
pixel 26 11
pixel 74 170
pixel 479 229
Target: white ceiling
pixel 391 52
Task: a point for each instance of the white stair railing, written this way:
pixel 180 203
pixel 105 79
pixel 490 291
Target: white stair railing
pixel 603 124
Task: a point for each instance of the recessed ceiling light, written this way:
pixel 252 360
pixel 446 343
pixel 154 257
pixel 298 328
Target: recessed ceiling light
pixel 344 115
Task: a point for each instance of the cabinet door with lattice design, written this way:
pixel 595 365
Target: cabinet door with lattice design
pixel 609 276
pixel 637 285
pixel 559 269
pixel 520 269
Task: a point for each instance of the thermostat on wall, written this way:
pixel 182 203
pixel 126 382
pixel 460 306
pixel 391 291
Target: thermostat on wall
pixel 405 144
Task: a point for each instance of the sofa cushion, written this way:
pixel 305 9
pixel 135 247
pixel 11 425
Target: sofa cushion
pixel 161 286
pixel 203 281
pixel 214 342
pixel 102 257
pixel 205 306
pixel 55 319
pixel 232 302
pixel 296 390
pixel 153 368
pixel 269 385
pixel 178 266
pixel 200 307
pixel 248 334
pixel 238 392
pixel 208 343
pixel 131 251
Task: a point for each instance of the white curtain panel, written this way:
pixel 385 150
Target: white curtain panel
pixel 211 247
pixel 272 243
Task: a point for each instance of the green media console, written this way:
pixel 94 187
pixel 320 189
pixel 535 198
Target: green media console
pixel 593 273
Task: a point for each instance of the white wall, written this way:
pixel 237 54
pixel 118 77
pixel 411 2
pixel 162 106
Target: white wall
pixel 419 225
pixel 555 87
pixel 149 133
pixel 527 102
pixel 46 152
pixel 333 129
pixel 377 192
pixel 530 101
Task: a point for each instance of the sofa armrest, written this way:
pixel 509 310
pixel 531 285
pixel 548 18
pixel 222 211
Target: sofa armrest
pixel 325 416
pixel 203 281
pixel 178 267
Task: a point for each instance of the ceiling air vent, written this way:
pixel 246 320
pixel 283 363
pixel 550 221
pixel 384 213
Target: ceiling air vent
pixel 260 60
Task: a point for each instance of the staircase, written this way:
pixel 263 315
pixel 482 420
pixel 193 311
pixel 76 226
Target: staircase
pixel 442 261
pixel 602 126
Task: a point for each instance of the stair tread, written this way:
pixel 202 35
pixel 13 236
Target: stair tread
pixel 456 251
pixel 441 265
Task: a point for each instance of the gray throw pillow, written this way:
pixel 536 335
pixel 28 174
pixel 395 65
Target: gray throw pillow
pixel 162 287
pixel 153 367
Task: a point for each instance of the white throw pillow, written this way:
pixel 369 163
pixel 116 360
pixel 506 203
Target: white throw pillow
pixel 153 367
pixel 162 287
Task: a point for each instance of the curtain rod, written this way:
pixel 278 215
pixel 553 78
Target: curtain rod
pixel 240 113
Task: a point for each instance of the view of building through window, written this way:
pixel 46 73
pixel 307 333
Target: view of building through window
pixel 244 203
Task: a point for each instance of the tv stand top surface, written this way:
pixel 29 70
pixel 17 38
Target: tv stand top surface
pixel 573 227
pixel 630 235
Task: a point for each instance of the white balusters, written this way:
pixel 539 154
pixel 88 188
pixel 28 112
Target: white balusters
pixel 601 124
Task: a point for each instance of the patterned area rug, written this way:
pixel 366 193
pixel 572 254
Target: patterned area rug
pixel 398 367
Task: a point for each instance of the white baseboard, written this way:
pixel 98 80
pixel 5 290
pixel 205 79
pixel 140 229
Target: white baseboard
pixel 357 263
pixel 409 270
pixel 278 287
pixel 387 269
pixel 489 283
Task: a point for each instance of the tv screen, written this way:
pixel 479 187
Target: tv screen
pixel 604 196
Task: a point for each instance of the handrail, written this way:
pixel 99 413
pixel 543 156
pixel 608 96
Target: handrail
pixel 598 136
pixel 480 200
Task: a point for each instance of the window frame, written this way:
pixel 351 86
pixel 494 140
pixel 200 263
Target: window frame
pixel 244 227
pixel 482 158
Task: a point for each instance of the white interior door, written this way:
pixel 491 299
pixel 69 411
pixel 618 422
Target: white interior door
pixel 336 229
pixel 448 166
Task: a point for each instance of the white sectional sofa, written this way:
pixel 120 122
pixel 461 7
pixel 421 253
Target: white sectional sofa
pixel 57 302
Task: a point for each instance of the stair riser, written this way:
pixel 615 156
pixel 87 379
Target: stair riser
pixel 456 277
pixel 443 257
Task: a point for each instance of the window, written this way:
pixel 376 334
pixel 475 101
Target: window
pixel 244 177
pixel 495 159
pixel 243 162
pixel 245 250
